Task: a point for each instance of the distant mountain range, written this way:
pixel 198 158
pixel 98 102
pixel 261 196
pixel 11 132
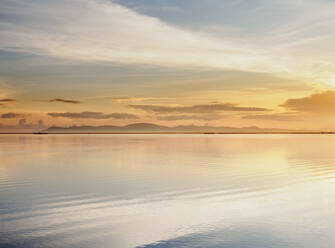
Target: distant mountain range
pixel 152 128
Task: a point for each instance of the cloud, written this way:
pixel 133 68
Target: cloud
pixel 104 31
pixel 40 124
pixel 57 28
pixel 10 115
pixel 122 99
pixel 6 100
pixel 323 102
pixel 23 125
pixel 273 117
pixel 123 116
pixel 22 122
pixel 94 115
pixel 129 99
pixel 190 117
pixel 64 101
pixel 209 108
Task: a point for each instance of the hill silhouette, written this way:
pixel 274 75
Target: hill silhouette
pixel 150 127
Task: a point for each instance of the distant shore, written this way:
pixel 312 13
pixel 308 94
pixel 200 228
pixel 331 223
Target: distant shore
pixel 206 133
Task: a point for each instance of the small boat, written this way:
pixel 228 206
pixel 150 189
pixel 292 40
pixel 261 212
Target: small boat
pixel 40 133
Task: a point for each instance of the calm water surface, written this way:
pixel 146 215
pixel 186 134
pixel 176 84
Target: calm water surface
pixel 153 191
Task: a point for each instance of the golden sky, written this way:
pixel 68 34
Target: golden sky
pixel 265 63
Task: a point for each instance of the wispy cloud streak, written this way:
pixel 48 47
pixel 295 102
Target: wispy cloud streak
pixel 103 31
pixel 197 108
pixel 6 100
pixel 10 115
pixel 93 115
pixel 209 117
pixel 64 101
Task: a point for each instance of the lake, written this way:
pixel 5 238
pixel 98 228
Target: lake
pixel 162 191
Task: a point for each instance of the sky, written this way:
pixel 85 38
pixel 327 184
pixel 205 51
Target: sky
pixel 239 63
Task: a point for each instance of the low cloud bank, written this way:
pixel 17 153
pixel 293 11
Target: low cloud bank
pixel 206 108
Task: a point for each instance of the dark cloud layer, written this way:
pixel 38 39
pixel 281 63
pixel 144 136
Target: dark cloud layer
pixel 206 108
pixel 4 100
pixel 190 117
pixel 10 115
pixel 323 102
pixel 64 100
pixel 94 115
